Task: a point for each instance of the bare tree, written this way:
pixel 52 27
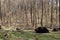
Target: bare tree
pixel 51 13
pixel 0 10
pixel 9 11
pixel 59 13
pixel 31 14
pixel 56 11
pixel 42 15
pixel 47 12
pixel 4 14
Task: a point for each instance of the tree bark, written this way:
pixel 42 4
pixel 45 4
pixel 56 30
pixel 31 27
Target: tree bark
pixel 59 13
pixel 0 10
pixel 42 15
pixel 51 13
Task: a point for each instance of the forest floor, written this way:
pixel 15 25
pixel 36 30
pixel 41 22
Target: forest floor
pixel 28 35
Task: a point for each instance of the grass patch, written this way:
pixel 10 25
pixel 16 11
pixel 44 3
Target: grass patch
pixel 31 36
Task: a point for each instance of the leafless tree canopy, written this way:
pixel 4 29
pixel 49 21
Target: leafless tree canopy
pixel 29 14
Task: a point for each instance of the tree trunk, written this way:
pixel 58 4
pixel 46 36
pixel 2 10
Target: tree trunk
pixel 56 11
pixel 42 15
pixel 51 13
pixel 59 13
pixel 0 10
